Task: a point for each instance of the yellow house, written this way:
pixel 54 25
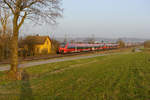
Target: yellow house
pixel 40 44
pixel 44 45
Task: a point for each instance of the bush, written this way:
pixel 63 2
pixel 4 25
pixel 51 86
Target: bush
pixel 147 44
pixel 133 50
pixel 121 43
pixel 55 46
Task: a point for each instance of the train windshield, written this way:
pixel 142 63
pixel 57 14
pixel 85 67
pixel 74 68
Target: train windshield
pixel 62 45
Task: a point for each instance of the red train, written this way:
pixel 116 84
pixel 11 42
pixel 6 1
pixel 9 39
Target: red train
pixel 80 47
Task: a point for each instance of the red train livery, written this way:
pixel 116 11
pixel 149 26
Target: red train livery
pixel 80 47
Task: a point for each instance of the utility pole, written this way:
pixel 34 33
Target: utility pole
pixel 65 39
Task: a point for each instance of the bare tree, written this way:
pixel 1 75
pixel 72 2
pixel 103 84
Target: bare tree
pixel 43 10
pixel 4 20
pixel 121 43
pixel 5 33
pixel 55 45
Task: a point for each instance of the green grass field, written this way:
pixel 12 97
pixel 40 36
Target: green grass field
pixel 113 77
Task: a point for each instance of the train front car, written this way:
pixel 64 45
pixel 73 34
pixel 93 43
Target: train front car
pixel 68 48
pixel 63 48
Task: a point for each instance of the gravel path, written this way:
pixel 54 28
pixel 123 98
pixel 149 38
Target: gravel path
pixel 29 64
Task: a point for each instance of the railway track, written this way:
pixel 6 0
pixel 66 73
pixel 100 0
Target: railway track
pixel 56 56
pixel 35 58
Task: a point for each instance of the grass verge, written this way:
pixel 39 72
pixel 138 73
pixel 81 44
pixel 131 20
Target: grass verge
pixel 113 77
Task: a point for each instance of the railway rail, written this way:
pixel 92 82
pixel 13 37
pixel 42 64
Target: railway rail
pixel 35 58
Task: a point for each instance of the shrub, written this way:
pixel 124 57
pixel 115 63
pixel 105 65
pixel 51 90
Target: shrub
pixel 121 43
pixel 147 44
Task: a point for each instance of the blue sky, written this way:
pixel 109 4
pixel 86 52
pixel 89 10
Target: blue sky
pixel 103 18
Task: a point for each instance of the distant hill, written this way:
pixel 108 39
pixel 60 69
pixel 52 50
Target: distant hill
pixel 81 39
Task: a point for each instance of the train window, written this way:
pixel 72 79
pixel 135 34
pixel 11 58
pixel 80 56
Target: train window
pixel 71 46
pixel 62 45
